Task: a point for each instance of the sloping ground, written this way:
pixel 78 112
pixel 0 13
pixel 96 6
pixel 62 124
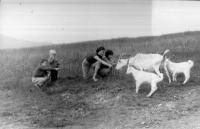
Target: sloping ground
pixel 112 103
pixel 106 104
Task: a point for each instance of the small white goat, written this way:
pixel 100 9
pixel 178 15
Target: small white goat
pixel 146 62
pixel 144 77
pixel 175 68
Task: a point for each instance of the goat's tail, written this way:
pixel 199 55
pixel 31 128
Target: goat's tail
pixel 166 51
pixel 191 62
pixel 164 56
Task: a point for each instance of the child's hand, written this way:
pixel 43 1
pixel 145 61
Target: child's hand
pixel 48 75
pixel 57 69
pixel 94 78
pixel 114 64
pixel 110 66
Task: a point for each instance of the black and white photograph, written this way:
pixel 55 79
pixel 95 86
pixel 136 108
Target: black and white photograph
pixel 99 64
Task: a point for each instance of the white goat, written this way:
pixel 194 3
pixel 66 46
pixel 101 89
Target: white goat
pixel 144 77
pixel 146 62
pixel 175 68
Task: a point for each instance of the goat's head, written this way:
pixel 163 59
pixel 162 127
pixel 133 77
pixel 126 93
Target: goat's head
pixel 120 63
pixel 191 63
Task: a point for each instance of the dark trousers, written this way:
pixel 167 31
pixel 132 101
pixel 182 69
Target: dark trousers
pixel 54 75
pixel 104 72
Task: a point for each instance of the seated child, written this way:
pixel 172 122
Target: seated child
pixel 41 73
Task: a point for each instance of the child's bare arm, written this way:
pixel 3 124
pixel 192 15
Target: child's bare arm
pixel 107 60
pixel 49 69
pixel 103 62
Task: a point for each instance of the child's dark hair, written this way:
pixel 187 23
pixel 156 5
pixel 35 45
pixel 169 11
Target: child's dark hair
pixel 108 52
pixel 43 60
pixel 100 49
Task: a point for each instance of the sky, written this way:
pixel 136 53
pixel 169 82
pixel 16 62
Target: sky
pixel 68 21
pixel 175 16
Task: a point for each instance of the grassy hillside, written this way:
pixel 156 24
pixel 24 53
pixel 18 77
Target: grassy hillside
pixel 21 62
pixel 18 65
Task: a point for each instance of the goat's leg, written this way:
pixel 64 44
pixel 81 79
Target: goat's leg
pixel 156 68
pixel 174 76
pixel 187 76
pixel 153 89
pixel 137 86
pixel 167 72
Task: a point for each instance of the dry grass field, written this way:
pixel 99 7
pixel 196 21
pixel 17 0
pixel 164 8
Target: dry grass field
pixel 110 103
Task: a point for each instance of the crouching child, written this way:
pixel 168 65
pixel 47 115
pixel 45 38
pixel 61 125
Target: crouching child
pixel 104 70
pixel 94 61
pixel 41 73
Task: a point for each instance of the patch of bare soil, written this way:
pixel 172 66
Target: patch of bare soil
pixel 106 104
